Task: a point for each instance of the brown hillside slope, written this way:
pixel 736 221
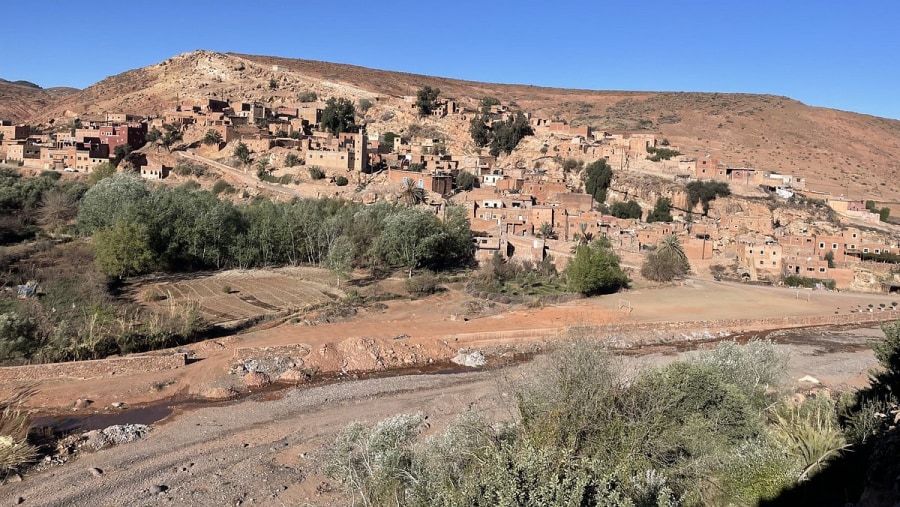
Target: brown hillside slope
pixel 19 103
pixel 837 151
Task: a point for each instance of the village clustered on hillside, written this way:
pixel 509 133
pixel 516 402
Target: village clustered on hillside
pixel 533 188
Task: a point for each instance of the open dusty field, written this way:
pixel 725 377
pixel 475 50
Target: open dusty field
pixel 406 333
pixel 252 292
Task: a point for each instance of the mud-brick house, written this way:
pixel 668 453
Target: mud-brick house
pixel 438 182
pixel 12 132
pixel 154 171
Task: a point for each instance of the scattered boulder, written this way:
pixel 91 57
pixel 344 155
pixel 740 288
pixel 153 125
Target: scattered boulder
pixel 256 379
pixel 81 404
pixel 810 379
pixel 158 489
pixel 218 393
pixel 473 359
pixel 295 376
pixel 96 472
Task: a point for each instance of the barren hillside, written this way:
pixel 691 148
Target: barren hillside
pixel 19 102
pixel 837 151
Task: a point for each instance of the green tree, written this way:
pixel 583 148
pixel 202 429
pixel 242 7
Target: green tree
pixel 273 84
pixel 884 214
pixel 426 99
pixel 154 137
pixel 315 173
pixel 412 195
pixel 466 181
pixel 389 140
pixel 364 105
pixel 120 153
pixel 661 211
pixel 172 135
pixel 412 238
pixel 829 257
pixel 100 172
pixel 506 136
pixel 308 97
pixel 123 250
pixel 242 152
pixel 339 116
pixel 340 258
pixel 341 181
pixel 630 209
pixel 595 269
pixel 546 231
pixel 480 132
pixel 704 192
pixel 122 197
pixel 598 177
pixel 212 138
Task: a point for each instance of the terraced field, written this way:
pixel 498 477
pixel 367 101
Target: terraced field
pixel 228 296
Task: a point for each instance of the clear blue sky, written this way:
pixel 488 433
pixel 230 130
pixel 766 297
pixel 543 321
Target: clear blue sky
pixel 843 55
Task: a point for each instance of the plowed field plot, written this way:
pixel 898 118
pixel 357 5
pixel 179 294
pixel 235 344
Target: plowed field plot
pixel 235 295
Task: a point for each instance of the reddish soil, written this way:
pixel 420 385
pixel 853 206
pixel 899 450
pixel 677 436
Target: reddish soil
pixel 407 333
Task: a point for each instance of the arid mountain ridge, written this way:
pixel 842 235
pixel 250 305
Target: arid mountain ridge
pixel 837 151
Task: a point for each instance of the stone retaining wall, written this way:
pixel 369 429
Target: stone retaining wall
pixel 101 368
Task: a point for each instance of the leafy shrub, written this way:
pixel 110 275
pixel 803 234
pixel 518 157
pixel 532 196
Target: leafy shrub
pixel 364 105
pixel 290 160
pixel 341 181
pixel 308 96
pixel 630 209
pixel 316 173
pixel 422 284
pixel 189 169
pixel 807 282
pixel 222 186
pixel 657 154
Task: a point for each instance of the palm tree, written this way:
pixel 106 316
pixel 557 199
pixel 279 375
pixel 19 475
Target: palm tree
pixel 585 237
pixel 212 137
pixel 412 195
pixel 671 247
pixel 546 231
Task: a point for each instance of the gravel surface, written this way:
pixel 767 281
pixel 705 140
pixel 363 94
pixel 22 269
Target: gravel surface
pixel 262 451
pixel 249 452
